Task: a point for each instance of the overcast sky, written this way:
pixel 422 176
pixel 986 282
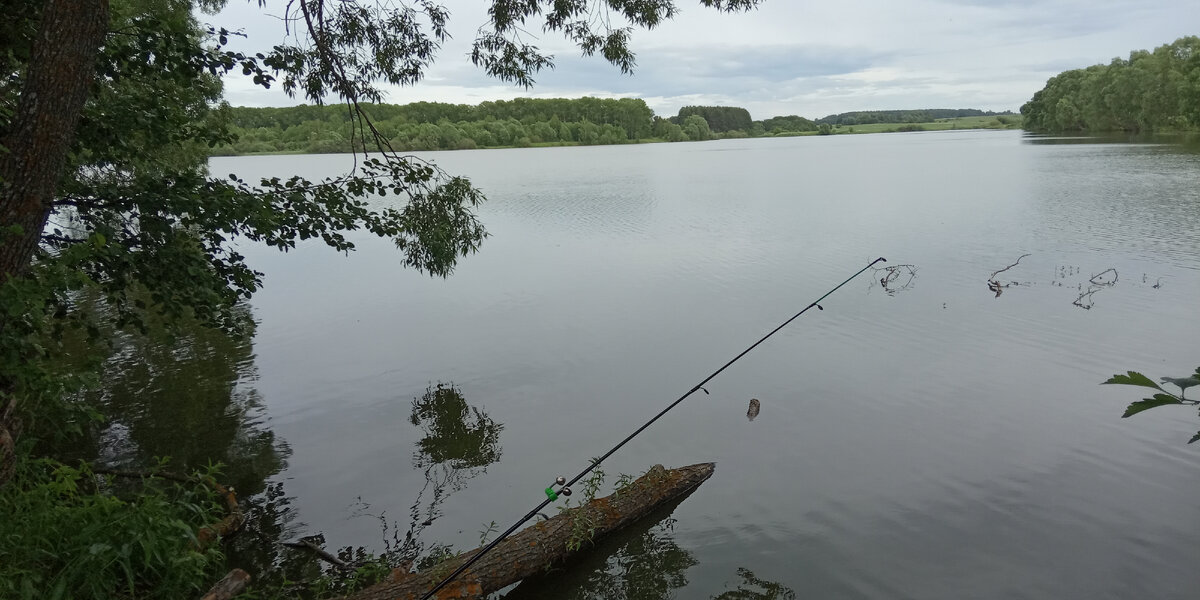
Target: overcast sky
pixel 798 56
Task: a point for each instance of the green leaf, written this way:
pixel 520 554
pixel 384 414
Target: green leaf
pixel 1148 403
pixel 1133 378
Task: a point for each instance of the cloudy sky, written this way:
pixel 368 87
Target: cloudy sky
pixel 805 57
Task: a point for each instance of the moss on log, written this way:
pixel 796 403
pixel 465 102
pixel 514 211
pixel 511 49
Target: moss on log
pixel 546 543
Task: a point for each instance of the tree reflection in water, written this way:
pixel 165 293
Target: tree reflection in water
pixel 640 562
pixel 460 442
pixel 191 396
pixel 768 590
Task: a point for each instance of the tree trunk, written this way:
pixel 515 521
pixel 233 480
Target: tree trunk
pixel 61 66
pixel 36 141
pixel 546 543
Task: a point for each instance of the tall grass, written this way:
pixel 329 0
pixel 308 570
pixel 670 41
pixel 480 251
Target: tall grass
pixel 66 533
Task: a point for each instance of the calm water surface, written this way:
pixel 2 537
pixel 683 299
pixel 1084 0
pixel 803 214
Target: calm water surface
pixel 933 442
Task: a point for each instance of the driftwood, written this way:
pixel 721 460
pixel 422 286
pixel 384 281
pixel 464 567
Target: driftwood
pixel 995 285
pixel 229 586
pixel 546 543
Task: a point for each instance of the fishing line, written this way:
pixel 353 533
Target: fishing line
pixel 565 488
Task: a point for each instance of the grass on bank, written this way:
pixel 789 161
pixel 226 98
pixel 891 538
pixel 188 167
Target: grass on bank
pixel 993 122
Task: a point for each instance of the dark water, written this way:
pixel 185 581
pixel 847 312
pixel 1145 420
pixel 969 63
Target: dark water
pixel 925 440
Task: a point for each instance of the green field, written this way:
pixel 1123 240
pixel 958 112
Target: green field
pixel 993 122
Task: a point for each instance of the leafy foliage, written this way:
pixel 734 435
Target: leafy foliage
pixel 770 590
pixel 78 536
pixel 1148 91
pixel 438 126
pixel 1132 378
pixel 719 118
pixel 1153 402
pixel 502 51
pixel 787 124
pixel 1161 399
pixel 138 223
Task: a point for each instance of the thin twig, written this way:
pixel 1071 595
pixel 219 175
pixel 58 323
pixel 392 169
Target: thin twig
pixel 1103 282
pixel 993 277
pixel 998 287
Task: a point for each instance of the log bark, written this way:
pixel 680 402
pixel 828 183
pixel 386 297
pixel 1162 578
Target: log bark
pixel 229 586
pixel 545 543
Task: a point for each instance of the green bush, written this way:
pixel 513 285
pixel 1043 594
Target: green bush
pixel 67 534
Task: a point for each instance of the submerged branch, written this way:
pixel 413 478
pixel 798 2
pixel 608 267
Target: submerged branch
pixel 998 287
pixel 320 553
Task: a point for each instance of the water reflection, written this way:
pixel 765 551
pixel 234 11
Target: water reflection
pixel 756 588
pixel 188 395
pixel 457 436
pixel 1188 142
pixel 640 562
pixel 460 442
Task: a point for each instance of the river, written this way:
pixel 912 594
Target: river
pixel 924 439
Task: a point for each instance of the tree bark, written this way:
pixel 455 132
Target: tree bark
pixel 36 141
pixel 57 82
pixel 546 543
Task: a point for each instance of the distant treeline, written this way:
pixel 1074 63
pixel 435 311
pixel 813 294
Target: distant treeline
pixel 441 126
pixel 1157 90
pixel 521 122
pixel 924 115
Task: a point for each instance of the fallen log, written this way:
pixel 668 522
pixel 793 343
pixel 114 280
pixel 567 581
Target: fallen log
pixel 548 542
pixel 588 575
pixel 229 586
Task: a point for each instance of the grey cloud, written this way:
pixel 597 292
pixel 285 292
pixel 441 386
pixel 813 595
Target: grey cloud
pixel 979 53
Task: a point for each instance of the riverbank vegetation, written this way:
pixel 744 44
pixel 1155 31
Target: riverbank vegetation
pixel 112 230
pixel 1150 91
pixel 526 122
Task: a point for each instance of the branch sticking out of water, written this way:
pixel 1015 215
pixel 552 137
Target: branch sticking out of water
pixel 995 285
pixel 1099 278
pixel 1097 282
pixel 897 278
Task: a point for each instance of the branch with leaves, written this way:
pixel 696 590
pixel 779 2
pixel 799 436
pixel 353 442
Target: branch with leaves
pixel 1163 398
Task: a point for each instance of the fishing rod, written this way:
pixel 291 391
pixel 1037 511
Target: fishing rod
pixel 565 489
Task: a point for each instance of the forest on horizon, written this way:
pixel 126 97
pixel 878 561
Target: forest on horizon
pixel 1150 91
pixel 526 122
